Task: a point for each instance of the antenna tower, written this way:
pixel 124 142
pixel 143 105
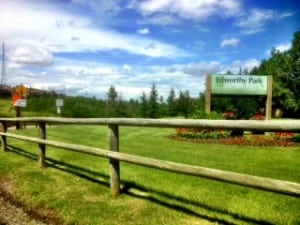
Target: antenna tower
pixel 3 66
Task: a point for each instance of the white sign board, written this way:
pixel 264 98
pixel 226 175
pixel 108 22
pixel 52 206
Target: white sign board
pixel 20 103
pixel 59 102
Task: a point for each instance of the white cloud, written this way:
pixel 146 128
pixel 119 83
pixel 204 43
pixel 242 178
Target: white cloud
pixel 194 70
pixel 239 64
pixel 232 42
pixel 190 9
pixel 160 19
pixel 31 55
pixel 127 69
pixel 58 31
pixel 111 7
pixel 283 47
pixel 256 20
pixel 280 47
pixel 202 68
pixel 143 31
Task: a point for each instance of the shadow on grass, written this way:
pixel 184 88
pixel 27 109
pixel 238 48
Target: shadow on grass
pixel 165 199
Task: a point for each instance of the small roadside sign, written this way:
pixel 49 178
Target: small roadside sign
pixel 20 103
pixel 59 102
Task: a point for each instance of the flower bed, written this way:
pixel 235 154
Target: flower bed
pixel 196 133
pixel 284 139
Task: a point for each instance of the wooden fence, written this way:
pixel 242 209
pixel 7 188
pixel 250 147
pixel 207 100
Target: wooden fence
pixel 273 185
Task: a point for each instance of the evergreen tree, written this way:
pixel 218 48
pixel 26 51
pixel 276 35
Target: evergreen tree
pixel 184 103
pixel 240 71
pixel 144 106
pixel 245 71
pixel 172 108
pixel 153 103
pixel 111 101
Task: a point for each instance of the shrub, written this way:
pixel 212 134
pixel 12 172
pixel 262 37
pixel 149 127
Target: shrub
pixel 200 114
pixel 296 138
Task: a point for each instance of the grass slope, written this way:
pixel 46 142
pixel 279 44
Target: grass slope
pixel 6 108
pixel 75 187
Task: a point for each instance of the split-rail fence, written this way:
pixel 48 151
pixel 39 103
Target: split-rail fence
pixel 262 183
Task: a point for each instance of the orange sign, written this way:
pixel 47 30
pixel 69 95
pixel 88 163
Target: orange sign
pixel 16 98
pixel 21 90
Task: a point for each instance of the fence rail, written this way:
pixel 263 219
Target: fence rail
pixel 273 185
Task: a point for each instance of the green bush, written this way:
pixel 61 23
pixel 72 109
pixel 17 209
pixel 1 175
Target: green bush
pixel 296 138
pixel 200 114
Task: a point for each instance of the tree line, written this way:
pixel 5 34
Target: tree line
pixel 147 106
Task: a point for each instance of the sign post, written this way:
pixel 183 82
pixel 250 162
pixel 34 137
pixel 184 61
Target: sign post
pixel 239 85
pixel 208 95
pixel 19 101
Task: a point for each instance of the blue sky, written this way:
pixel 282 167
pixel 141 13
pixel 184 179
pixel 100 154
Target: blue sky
pixel 82 47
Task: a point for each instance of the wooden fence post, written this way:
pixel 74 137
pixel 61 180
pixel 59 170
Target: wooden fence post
pixel 3 138
pixel 114 163
pixel 269 99
pixel 208 95
pixel 41 159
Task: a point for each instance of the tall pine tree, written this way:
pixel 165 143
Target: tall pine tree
pixel 153 103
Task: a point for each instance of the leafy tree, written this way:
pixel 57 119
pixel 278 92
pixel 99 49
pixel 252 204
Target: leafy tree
pixel 246 107
pixel 285 69
pixel 294 76
pixel 223 103
pixel 199 103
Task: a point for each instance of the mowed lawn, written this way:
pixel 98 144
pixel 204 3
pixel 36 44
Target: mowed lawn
pixel 75 187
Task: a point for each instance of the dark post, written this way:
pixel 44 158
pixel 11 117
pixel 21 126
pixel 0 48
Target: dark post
pixel 41 160
pixel 18 114
pixel 3 138
pixel 114 164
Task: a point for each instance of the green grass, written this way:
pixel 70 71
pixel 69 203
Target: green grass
pixel 7 109
pixel 76 187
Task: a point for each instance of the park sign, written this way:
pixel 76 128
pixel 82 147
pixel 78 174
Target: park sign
pixel 239 84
